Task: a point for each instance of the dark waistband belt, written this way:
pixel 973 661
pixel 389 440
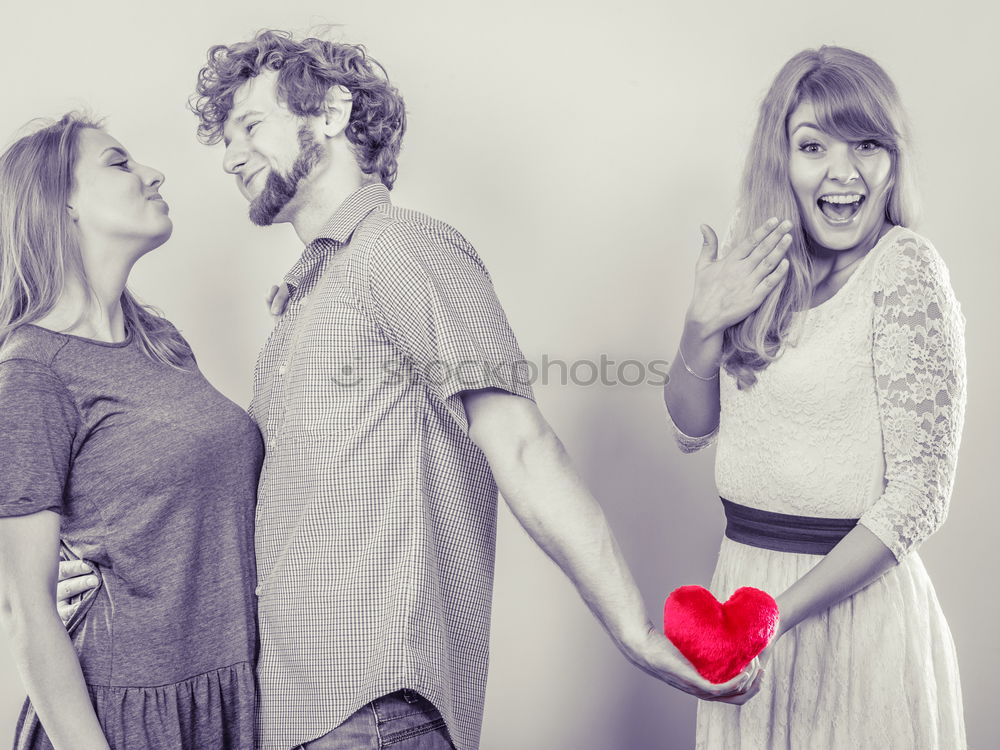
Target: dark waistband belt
pixel 782 531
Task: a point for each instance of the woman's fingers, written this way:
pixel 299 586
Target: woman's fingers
pixel 277 299
pixel 776 242
pixel 770 281
pixel 744 248
pixel 270 295
pixel 709 246
pixel 769 260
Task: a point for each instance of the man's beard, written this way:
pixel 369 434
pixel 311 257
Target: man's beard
pixel 278 188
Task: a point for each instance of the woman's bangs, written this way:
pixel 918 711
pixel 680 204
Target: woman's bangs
pixel 849 111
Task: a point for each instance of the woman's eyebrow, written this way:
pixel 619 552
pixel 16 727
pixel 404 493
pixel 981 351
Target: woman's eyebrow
pixel 812 125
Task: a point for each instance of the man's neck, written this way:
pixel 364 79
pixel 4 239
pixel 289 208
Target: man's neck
pixel 320 198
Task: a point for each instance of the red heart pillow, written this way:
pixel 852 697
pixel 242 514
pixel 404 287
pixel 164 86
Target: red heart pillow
pixel 719 639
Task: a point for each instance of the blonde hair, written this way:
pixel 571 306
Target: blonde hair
pixel 854 100
pixel 39 248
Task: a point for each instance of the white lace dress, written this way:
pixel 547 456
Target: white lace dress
pixel 860 418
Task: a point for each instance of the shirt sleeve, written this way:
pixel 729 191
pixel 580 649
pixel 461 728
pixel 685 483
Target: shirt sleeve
pixel 38 424
pixel 918 352
pixel 434 300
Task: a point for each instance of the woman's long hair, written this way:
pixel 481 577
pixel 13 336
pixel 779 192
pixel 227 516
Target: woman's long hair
pixel 854 100
pixel 39 245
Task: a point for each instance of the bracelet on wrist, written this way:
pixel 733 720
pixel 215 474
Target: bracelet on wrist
pixel 691 372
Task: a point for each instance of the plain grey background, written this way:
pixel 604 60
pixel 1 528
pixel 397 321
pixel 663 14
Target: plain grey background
pixel 578 146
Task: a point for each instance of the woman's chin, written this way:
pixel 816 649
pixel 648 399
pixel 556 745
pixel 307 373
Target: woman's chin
pixel 156 240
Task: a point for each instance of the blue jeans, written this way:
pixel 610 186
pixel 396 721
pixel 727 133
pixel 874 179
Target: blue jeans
pixel 403 720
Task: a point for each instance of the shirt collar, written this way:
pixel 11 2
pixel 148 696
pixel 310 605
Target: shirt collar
pixel 349 214
pixel 338 229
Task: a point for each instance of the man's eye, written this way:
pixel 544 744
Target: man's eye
pixel 121 165
pixel 252 125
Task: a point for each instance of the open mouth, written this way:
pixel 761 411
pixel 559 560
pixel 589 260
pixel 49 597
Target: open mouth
pixel 840 209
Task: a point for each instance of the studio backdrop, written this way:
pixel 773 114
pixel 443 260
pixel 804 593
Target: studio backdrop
pixel 578 146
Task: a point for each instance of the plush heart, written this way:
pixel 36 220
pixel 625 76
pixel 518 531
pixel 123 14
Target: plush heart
pixel 719 639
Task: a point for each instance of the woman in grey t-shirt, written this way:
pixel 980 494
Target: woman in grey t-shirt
pixel 114 448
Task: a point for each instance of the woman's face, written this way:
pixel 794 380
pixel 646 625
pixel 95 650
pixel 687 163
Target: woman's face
pixel 116 201
pixel 841 186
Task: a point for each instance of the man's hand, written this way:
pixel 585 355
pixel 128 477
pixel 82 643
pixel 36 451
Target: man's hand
pixel 75 578
pixel 660 658
pixel 549 499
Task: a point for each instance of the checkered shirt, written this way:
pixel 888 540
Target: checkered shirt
pixel 376 516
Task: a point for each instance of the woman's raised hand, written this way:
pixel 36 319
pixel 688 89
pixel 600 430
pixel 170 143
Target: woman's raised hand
pixel 728 289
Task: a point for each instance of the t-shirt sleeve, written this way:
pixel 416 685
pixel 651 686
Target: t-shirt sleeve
pixel 435 301
pixel 38 425
pixel 919 359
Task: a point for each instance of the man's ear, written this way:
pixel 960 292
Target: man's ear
pixel 337 112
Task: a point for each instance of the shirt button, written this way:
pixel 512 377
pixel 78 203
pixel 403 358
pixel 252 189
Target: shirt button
pixel 282 370
pixel 257 590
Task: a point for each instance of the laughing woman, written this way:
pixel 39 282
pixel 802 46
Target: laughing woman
pixel 114 448
pixel 825 350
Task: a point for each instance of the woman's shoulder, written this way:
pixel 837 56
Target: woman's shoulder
pixel 30 368
pixel 909 259
pixel 31 347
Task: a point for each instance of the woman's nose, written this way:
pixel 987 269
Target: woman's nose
pixel 150 176
pixel 841 165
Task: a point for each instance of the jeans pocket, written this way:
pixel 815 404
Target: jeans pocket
pixel 403 715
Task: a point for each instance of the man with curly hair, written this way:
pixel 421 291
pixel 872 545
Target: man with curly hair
pixel 390 401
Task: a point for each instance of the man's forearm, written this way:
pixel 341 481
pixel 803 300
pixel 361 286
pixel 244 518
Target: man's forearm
pixel 554 506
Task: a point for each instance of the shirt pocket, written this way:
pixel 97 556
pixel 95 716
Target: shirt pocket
pixel 328 373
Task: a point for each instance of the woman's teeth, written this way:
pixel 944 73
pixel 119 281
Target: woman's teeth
pixel 840 208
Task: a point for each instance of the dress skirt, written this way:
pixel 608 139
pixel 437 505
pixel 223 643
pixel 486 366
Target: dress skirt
pixel 878 670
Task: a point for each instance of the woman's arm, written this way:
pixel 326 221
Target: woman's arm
pixel 856 561
pixel 918 354
pixel 919 363
pixel 726 290
pixel 43 652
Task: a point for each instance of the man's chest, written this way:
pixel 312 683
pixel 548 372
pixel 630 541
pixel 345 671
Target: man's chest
pixel 327 363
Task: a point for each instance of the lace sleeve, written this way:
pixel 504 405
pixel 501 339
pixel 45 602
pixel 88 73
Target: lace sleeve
pixel 918 352
pixel 688 443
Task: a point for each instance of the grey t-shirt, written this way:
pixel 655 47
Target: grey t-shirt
pixel 154 474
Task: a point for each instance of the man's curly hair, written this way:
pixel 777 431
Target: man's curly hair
pixel 306 71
